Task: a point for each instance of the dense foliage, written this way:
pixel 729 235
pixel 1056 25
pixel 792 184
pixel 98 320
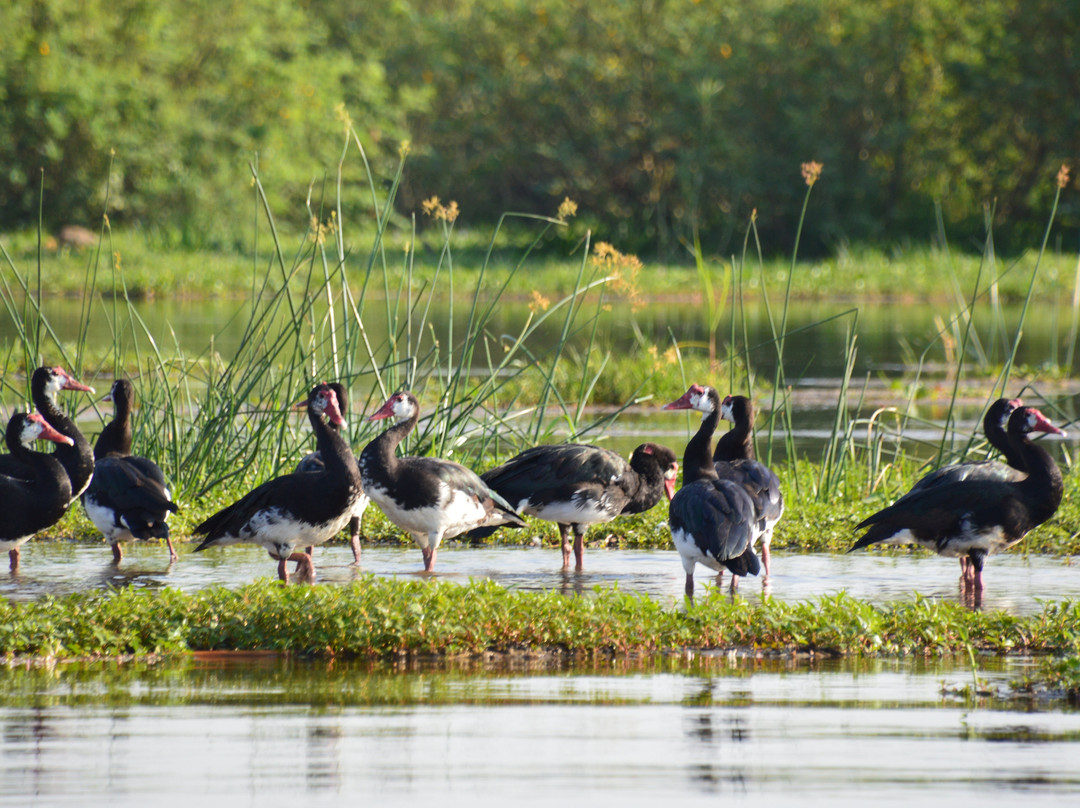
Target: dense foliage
pixel 160 106
pixel 656 116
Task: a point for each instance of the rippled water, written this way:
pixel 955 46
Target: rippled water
pixel 1015 582
pixel 261 729
pixel 273 732
pixel 251 729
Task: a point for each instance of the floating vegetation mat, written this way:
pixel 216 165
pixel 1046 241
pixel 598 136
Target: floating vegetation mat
pixel 382 619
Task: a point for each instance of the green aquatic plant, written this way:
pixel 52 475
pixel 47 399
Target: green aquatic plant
pixel 384 618
pixel 1056 677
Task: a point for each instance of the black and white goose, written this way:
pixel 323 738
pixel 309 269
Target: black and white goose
pixel 734 460
pixel 313 462
pixel 430 498
pixel 77 458
pixel 40 496
pixel 576 485
pixel 973 518
pixel 128 498
pixel 994 425
pixel 712 520
pixel 301 509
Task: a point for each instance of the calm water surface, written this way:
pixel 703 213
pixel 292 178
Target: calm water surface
pixel 253 729
pixel 891 335
pixel 260 730
pixel 1015 583
pixel 278 732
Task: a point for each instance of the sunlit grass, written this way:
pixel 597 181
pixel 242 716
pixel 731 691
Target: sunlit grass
pixel 913 274
pixel 810 525
pixel 379 618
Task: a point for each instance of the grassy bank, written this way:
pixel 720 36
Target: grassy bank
pixel 918 273
pixel 378 618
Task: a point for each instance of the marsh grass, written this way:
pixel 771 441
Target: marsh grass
pixel 220 424
pixel 213 420
pixel 876 443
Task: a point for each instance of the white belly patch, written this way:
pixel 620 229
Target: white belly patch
pixel 456 512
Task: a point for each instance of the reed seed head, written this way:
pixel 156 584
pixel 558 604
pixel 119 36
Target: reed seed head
pixel 436 209
pixel 537 302
pixel 811 171
pixel 624 270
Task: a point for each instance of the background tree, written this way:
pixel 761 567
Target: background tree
pixel 660 117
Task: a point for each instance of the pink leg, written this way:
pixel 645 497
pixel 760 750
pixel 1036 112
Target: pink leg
pixel 579 551
pixel 355 544
pixel 309 568
pixel 690 586
pixel 564 534
pixel 971 582
pixel 975 570
pixel 172 551
pixel 765 556
pixel 117 553
pixel 305 568
pixel 354 539
pixel 429 558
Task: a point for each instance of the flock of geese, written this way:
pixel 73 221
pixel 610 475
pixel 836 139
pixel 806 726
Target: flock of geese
pixel 722 517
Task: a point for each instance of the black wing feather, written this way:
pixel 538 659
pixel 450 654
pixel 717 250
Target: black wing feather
pixel 301 496
pixel 556 471
pixel 719 515
pixel 133 488
pixel 759 481
pixel 937 512
pixel 958 472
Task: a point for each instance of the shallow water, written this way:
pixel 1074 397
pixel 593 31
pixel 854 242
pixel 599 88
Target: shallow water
pixel 1015 583
pixel 891 333
pixel 282 732
pixel 251 729
pixel 266 730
